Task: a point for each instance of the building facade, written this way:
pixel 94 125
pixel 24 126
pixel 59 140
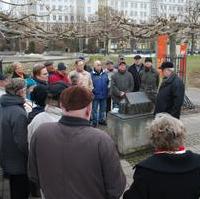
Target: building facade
pixel 72 11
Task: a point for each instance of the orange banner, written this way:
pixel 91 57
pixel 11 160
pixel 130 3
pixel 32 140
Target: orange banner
pixel 161 49
pixel 183 51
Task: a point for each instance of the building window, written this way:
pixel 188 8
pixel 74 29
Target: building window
pixel 131 13
pixel 126 4
pixel 53 7
pixel 54 17
pixel 60 8
pixel 66 18
pixel 89 9
pixel 136 13
pixel 132 4
pixel 72 18
pixel 60 18
pixel 41 7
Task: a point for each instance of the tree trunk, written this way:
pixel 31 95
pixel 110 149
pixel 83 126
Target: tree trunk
pixel 172 48
pixel 193 43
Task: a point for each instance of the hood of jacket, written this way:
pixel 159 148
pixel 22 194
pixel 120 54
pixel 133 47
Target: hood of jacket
pixel 10 100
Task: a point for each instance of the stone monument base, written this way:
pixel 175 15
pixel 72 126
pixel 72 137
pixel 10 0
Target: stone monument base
pixel 129 131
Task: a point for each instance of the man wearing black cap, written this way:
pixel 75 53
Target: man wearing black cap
pixel 70 159
pixel 149 79
pixel 135 69
pixel 171 93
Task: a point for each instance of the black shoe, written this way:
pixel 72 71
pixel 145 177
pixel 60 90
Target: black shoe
pixel 94 125
pixel 104 123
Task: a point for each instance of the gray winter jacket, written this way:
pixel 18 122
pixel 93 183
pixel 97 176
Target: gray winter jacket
pixel 121 82
pixel 13 135
pixel 70 159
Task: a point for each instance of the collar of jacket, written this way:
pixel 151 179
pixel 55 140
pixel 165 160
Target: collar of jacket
pixel 53 110
pixel 40 81
pixel 98 73
pixel 172 163
pixel 74 121
pixel 168 80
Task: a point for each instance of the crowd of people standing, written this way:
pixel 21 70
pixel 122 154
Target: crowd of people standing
pixel 73 102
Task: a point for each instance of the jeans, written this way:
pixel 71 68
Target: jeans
pixel 99 110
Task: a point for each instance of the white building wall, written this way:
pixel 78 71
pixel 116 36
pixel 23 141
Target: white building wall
pixel 66 11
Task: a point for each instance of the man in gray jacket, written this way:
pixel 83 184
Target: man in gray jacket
pixel 121 83
pixel 71 159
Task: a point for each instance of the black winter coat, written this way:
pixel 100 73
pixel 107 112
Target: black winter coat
pixel 167 176
pixel 170 96
pixel 13 135
pixel 136 76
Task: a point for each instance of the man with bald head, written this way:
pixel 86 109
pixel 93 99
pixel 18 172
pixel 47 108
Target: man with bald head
pixel 100 83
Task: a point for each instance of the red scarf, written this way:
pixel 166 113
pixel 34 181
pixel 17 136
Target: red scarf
pixel 181 149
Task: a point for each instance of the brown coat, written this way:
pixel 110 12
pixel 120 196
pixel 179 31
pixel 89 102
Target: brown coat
pixel 70 159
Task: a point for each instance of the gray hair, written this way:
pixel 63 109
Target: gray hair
pixel 167 132
pixel 14 85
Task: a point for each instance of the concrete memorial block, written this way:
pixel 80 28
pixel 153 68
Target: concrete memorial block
pixel 128 127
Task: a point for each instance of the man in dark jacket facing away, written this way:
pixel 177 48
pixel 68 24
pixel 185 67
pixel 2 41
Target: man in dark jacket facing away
pixel 13 133
pixel 121 82
pixel 71 159
pixel 135 70
pixel 171 93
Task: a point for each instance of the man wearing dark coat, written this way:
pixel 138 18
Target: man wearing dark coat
pixel 71 159
pixel 135 70
pixel 13 138
pixel 171 93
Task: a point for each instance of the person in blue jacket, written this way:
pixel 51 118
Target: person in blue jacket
pixel 100 82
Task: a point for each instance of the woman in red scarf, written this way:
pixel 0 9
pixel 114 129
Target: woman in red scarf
pixel 172 172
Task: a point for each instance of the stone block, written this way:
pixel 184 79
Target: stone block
pixel 129 132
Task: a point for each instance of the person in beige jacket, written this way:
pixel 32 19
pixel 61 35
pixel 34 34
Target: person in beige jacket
pixel 84 77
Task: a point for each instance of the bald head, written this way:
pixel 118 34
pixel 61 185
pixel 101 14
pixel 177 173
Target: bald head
pixel 98 65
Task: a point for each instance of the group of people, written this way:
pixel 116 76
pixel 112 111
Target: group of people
pixel 55 152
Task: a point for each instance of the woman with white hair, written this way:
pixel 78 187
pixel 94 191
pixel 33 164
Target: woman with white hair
pixel 172 172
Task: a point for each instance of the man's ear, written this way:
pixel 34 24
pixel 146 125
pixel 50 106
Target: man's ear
pixel 89 110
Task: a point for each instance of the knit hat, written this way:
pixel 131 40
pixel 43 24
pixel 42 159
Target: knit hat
pixel 55 89
pixel 2 77
pixel 137 57
pixel 166 64
pixel 81 58
pixel 148 59
pixel 48 63
pixel 61 66
pixel 123 62
pixel 76 98
pixel 109 62
pixel 14 85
